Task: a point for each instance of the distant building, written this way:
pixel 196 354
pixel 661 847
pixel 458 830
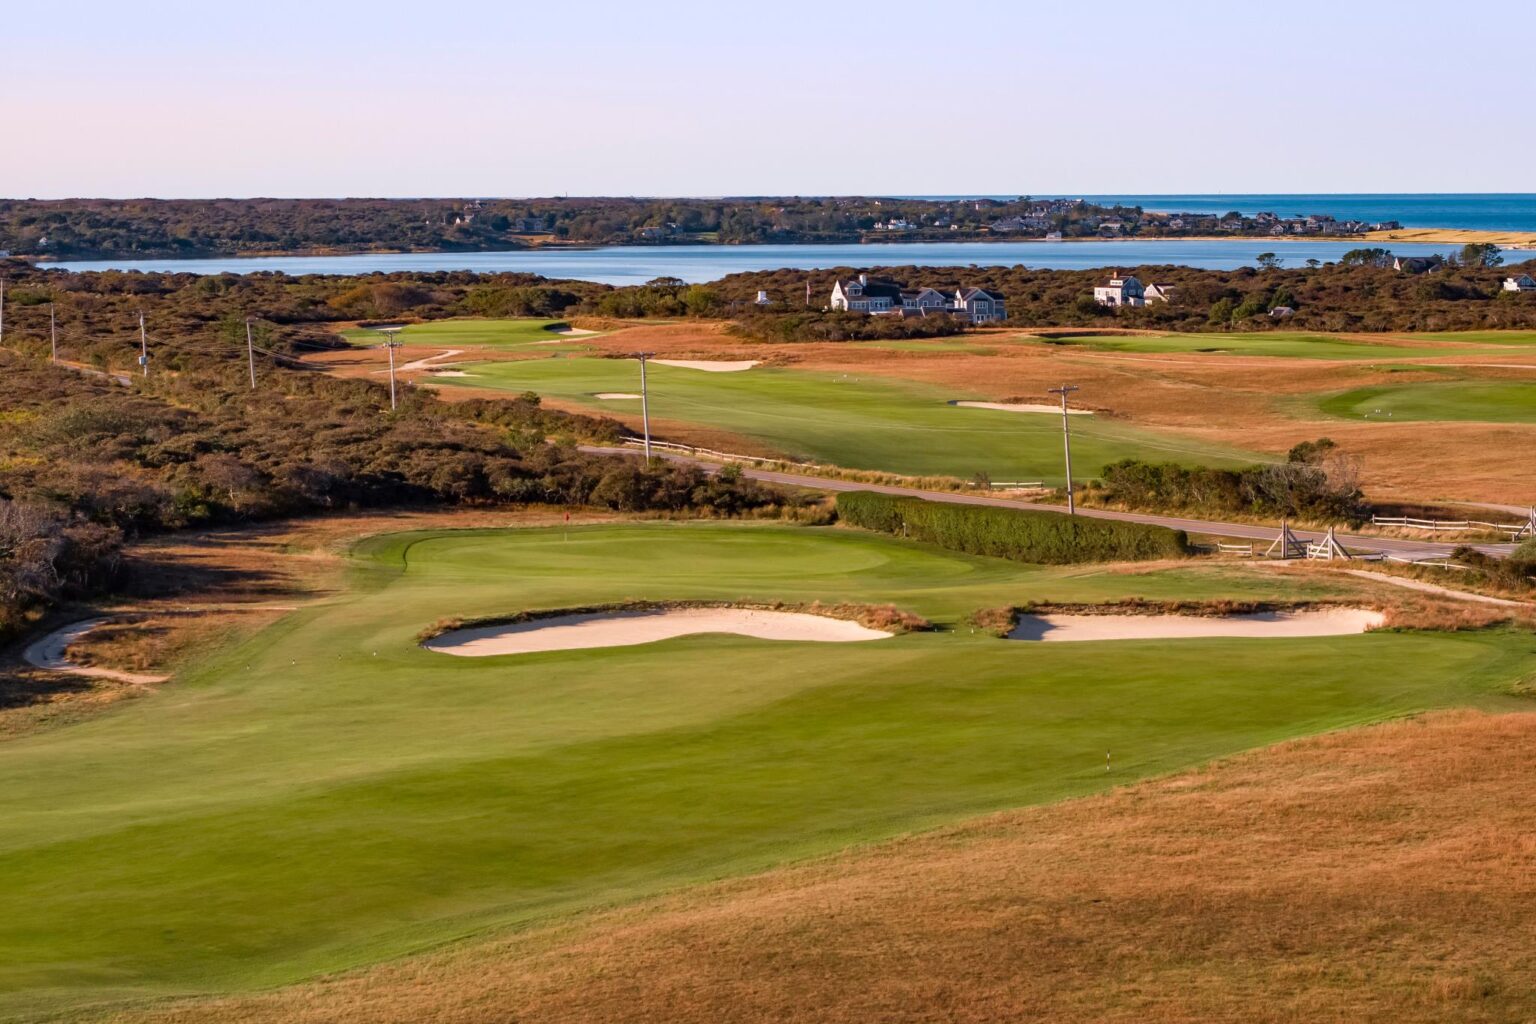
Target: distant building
pixel 1121 291
pixel 865 294
pixel 1519 283
pixel 1281 312
pixel 1159 293
pixel 762 298
pixel 980 306
pixel 1417 264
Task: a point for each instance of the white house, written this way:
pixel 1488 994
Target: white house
pixel 1519 283
pixel 1158 293
pixel 1120 291
pixel 865 295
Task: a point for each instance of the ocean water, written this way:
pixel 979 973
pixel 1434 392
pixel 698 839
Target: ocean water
pixel 1488 211
pixel 636 264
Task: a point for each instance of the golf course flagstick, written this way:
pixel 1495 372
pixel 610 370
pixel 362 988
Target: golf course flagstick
pixel 1066 440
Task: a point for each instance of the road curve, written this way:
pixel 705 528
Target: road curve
pixel 1241 531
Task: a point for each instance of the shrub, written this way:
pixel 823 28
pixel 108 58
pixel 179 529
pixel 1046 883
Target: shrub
pixel 1047 538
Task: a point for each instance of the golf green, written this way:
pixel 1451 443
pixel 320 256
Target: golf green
pixel 856 421
pixel 471 332
pixel 1277 343
pixel 1481 401
pixel 327 793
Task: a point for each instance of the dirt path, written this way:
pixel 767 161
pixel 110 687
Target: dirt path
pixel 425 363
pixel 49 653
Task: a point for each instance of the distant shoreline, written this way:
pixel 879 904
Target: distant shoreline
pixel 1419 236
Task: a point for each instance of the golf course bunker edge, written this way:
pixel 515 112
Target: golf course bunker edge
pixel 625 628
pixel 1308 622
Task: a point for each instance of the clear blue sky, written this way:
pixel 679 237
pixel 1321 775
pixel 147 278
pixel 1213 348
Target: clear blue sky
pixel 673 97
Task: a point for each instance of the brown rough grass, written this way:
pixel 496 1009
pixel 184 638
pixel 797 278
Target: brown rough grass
pixel 1385 874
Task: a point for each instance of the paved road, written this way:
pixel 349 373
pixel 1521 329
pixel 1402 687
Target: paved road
pixel 1241 531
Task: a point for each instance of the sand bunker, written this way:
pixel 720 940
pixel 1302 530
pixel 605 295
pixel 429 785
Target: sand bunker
pixel 1022 407
pixel 1312 622
pixel 623 629
pixel 710 365
pixel 51 653
pixel 609 396
pixel 450 373
pixel 570 330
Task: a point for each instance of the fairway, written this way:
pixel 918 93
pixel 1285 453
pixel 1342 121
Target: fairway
pixel 1481 401
pixel 518 331
pixel 328 793
pixel 1282 344
pixel 856 421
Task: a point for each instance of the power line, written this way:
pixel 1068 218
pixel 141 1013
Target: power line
pixel 1066 440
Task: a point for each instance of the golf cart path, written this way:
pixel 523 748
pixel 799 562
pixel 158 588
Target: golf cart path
pixel 1244 531
pixel 426 362
pixel 49 653
pixel 1435 588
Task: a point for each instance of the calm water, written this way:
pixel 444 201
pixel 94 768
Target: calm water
pixel 637 264
pixel 1508 211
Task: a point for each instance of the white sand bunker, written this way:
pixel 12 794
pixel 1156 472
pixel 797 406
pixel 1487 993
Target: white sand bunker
pixel 450 373
pixel 623 629
pixel 1313 622
pixel 710 365
pixel 609 396
pixel 568 329
pixel 1022 407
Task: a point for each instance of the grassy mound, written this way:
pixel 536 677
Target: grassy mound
pixel 1044 538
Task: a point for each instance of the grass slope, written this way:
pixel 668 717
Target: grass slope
pixel 471 332
pixel 1481 401
pixel 328 794
pixel 859 422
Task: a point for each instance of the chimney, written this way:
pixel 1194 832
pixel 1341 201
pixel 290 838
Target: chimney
pixel 863 279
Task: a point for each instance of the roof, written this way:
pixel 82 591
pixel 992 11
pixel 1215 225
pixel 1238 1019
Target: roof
pixel 966 294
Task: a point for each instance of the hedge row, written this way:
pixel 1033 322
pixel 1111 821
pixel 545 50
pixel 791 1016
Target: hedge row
pixel 1046 538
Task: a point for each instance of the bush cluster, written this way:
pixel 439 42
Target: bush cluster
pixel 1046 538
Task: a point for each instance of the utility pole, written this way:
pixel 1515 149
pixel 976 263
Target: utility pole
pixel 2 311
pixel 250 353
pixel 143 346
pixel 1066 440
pixel 53 337
pixel 645 403
pixel 391 342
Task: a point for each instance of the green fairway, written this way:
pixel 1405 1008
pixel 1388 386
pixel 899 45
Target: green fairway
pixel 327 793
pixel 520 331
pixel 1482 401
pixel 860 422
pixel 1275 343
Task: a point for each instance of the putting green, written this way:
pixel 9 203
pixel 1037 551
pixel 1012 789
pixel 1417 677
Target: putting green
pixel 473 332
pixel 860 422
pixel 1276 343
pixel 1483 401
pixel 328 793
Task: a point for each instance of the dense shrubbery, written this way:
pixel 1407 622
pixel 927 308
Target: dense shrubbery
pixel 1316 483
pixel 1047 538
pixel 46 554
pixel 818 325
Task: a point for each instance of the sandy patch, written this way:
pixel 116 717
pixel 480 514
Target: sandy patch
pixel 48 653
pixel 426 363
pixel 451 373
pixel 710 365
pixel 623 629
pixel 1021 407
pixel 1322 622
pixel 609 396
pixel 570 330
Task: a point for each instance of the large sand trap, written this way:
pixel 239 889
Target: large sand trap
pixel 623 629
pixel 609 396
pixel 710 365
pixel 1319 622
pixel 570 330
pixel 1022 407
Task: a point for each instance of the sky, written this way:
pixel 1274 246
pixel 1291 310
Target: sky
pixel 674 97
